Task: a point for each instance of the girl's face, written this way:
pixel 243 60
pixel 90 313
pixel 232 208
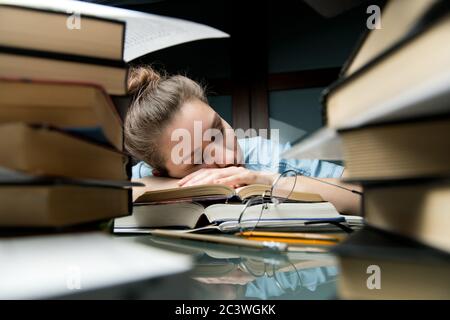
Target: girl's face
pixel 196 138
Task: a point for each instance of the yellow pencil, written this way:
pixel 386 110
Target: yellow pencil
pixel 294 241
pixel 292 235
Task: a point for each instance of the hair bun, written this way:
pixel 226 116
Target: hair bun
pixel 141 78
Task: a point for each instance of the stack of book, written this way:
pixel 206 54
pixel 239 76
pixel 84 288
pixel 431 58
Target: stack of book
pixel 388 118
pixel 63 79
pixel 61 137
pixel 62 64
pixel 162 204
pixel 391 111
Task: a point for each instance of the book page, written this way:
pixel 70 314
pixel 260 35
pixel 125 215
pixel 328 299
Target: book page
pixel 144 32
pixel 152 33
pixel 152 184
pixel 160 189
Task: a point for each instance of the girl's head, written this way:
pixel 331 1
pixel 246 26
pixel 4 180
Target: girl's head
pixel 162 104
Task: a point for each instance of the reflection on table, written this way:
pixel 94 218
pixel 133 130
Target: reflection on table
pixel 227 272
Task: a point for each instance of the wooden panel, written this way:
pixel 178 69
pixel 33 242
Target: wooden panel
pixel 284 80
pixel 259 105
pixel 303 79
pixel 241 106
pixel 249 65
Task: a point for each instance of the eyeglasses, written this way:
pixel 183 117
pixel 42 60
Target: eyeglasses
pixel 280 191
pixel 286 276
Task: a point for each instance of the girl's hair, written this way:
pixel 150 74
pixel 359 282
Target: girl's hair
pixel 156 99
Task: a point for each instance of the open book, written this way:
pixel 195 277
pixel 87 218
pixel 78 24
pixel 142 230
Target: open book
pixel 162 204
pixel 224 217
pixel 158 189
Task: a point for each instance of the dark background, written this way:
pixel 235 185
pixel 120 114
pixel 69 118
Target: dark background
pixel 271 72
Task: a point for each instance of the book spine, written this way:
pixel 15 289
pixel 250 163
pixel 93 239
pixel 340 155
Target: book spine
pixel 63 57
pixel 324 104
pixel 362 38
pixel 433 16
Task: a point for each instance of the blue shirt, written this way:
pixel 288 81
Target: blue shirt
pixel 261 154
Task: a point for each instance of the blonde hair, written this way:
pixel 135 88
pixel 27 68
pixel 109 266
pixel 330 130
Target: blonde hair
pixel 156 99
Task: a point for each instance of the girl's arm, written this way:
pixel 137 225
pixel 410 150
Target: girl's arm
pixel 345 201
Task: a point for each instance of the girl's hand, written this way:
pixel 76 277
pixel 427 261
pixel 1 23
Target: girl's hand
pixel 230 176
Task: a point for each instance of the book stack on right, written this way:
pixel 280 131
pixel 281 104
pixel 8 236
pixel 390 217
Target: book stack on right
pixel 391 109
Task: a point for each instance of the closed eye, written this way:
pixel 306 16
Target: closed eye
pixel 218 124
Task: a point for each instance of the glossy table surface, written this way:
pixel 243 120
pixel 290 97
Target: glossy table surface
pixel 228 272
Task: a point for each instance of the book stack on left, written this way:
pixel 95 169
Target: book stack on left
pixel 61 137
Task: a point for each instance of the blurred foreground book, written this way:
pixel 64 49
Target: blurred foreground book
pixel 37 201
pixel 379 265
pixel 42 267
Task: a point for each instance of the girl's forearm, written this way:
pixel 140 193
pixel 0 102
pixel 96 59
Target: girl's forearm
pixel 345 201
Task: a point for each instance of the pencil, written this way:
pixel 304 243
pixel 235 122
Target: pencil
pixel 294 241
pixel 267 244
pixel 291 235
